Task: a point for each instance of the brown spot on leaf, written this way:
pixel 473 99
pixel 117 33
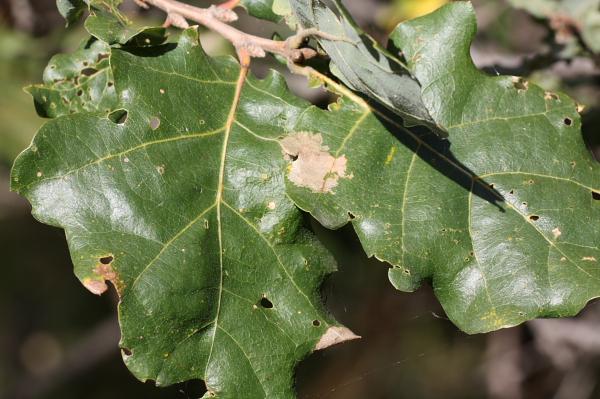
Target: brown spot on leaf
pixel 105 272
pixel 313 166
pixel 335 335
pixel 96 287
pixel 520 84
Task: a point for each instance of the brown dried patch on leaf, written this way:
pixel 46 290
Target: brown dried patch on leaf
pixel 96 287
pixel 105 272
pixel 313 166
pixel 335 335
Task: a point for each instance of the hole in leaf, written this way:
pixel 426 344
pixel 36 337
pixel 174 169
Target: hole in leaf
pixel 192 389
pixel 79 93
pixel 534 217
pixel 110 84
pixel 88 71
pixel 118 116
pixel 511 192
pixel 568 121
pixel 265 303
pixel 351 216
pixel 154 123
pixel 106 260
pixel 520 83
pixel 127 351
pixel 101 56
pixel 316 323
pixel 596 195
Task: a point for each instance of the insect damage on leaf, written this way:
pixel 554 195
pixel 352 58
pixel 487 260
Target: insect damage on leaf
pixel 312 166
pixel 103 272
pixel 335 335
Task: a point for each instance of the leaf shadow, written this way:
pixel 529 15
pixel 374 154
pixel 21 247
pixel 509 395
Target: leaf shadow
pixel 437 153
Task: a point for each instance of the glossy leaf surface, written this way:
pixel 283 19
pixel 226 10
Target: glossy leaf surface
pixel 178 199
pixel 504 220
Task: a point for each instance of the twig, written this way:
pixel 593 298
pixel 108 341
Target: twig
pixel 216 18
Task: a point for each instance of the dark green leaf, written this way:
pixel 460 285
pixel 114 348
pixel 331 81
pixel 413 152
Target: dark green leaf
pixel 77 82
pixel 179 200
pixel 114 28
pixel 362 65
pixel 504 222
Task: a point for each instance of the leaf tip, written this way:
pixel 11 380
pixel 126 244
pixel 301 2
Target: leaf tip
pixel 96 287
pixel 335 335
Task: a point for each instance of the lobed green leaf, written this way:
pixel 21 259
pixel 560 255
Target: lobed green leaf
pixel 178 199
pixel 503 219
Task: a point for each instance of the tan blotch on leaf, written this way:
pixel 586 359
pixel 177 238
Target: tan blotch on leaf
pixel 335 335
pixel 313 166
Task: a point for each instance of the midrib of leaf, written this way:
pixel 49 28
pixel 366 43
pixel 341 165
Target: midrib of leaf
pixel 230 118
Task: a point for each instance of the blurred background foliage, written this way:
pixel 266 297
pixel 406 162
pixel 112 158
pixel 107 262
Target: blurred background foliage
pixel 58 341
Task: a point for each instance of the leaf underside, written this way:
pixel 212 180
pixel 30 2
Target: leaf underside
pixel 359 62
pixel 502 220
pixel 180 203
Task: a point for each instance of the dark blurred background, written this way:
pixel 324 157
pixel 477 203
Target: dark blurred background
pixel 59 341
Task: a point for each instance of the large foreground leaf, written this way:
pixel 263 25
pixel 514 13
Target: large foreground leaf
pixel 505 222
pixel 362 65
pixel 179 200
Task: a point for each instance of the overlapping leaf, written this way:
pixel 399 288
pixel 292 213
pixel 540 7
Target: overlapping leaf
pixel 362 65
pixel 178 199
pixel 77 82
pixel 505 222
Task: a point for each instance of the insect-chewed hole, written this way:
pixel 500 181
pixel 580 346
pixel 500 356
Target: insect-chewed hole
pixel 351 216
pixel 316 323
pixel 118 116
pixel 154 123
pixel 265 303
pixel 79 93
pixel 568 121
pixel 106 260
pixel 520 83
pixel 192 389
pixel 596 195
pixel 534 217
pixel 88 71
pixel 126 351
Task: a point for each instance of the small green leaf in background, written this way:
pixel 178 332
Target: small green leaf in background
pixel 262 9
pixel 503 220
pixel 178 199
pixel 567 16
pixel 71 10
pixel 114 29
